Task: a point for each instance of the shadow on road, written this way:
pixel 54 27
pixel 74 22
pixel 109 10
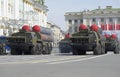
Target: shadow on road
pixel 70 54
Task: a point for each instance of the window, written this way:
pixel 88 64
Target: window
pixel 118 19
pixel 70 21
pixel 94 20
pixel 75 21
pixel 81 21
pixel 110 19
pixel 102 19
pixel 75 28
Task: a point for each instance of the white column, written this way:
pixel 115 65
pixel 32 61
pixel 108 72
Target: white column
pixel 67 25
pixel 0 10
pixel 115 21
pixel 78 25
pixel 84 21
pixel 16 6
pixel 98 22
pixel 107 22
pixel 4 8
pixel 90 21
pixel 73 26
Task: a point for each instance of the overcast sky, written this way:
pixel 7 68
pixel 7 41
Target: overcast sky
pixel 57 8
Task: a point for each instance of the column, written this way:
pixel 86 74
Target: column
pixel 78 25
pixel 84 21
pixel 67 25
pixel 115 22
pixel 16 2
pixel 90 21
pixel 73 26
pixel 107 22
pixel 98 22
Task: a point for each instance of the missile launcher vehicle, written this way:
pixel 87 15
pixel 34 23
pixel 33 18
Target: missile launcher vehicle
pixel 35 42
pixel 112 44
pixel 88 39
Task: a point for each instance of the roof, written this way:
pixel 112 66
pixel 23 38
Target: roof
pixel 112 9
pixel 108 9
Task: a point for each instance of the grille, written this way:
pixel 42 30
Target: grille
pixel 80 40
pixel 16 40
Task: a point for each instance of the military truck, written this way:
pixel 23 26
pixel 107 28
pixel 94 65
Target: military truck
pixel 88 39
pixel 112 44
pixel 35 42
pixel 64 45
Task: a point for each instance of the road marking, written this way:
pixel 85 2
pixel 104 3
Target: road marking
pixel 60 58
pixel 60 62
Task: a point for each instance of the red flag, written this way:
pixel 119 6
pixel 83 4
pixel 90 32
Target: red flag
pixel 118 27
pixel 102 26
pixel 105 27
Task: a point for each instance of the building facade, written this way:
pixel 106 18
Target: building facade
pixel 15 13
pixel 58 34
pixel 107 18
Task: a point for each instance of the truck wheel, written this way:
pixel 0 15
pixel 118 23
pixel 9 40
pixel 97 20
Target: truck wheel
pixel 1 51
pixel 75 52
pixel 116 51
pixel 82 52
pixel 19 52
pixel 35 50
pixel 103 50
pixel 13 52
pixel 39 47
pixel 49 48
pixel 45 50
pixel 97 50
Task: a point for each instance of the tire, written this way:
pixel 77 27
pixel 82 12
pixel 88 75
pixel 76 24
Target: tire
pixel 1 49
pixel 13 52
pixel 45 50
pixel 116 51
pixel 75 52
pixel 103 50
pixel 1 52
pixel 82 52
pixel 36 50
pixel 49 48
pixel 97 50
pixel 40 48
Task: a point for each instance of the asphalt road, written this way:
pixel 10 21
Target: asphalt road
pixel 60 65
